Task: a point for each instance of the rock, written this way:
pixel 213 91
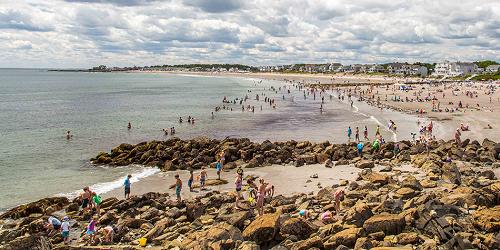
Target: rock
pixel 345 237
pixel 405 193
pixel 411 182
pixel 313 242
pixel 158 228
pixel 211 182
pixel 35 241
pixel 263 228
pixel 363 243
pixel 314 176
pixel 358 214
pixel 219 233
pixel 343 182
pixel 329 163
pixel 298 227
pixel 236 219
pixel 407 238
pixel 375 178
pixel 387 223
pixel 426 183
pixel 248 245
pixel 365 164
pixel 451 173
pixel 488 219
pixel 36 207
pixel 322 158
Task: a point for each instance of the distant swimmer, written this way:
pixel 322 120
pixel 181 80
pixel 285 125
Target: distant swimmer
pixel 180 119
pixel 68 135
pixel 129 126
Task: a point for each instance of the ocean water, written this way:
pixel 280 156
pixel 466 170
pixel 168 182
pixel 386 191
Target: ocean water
pixel 37 107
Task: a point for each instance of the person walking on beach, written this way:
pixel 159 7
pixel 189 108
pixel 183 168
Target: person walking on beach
pixel 238 182
pixel 366 133
pixel 178 188
pixel 127 184
pixel 377 132
pixel 202 177
pixel 356 136
pixel 349 132
pixel 190 180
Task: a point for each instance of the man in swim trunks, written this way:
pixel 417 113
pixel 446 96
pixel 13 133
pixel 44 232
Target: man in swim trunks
pixel 85 197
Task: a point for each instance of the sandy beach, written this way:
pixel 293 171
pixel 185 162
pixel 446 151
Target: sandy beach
pixel 478 111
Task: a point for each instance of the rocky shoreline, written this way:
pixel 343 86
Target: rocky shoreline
pixel 454 204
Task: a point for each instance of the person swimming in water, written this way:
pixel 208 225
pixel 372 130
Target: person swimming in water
pixel 68 135
pixel 129 126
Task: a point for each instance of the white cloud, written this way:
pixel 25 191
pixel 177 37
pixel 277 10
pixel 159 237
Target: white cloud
pixel 83 33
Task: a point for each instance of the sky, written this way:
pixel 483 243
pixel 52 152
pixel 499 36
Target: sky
pixel 85 33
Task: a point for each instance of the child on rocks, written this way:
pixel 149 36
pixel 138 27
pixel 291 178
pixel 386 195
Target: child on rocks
pixel 65 227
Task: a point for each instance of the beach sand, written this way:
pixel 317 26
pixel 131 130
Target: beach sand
pixel 278 175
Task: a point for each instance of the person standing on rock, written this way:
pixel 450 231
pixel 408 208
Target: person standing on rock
pixel 261 195
pixel 360 149
pixel 127 184
pixel 86 198
pixel 65 227
pixel 97 202
pixel 178 188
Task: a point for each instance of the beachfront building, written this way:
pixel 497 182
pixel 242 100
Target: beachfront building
pixel 452 69
pixel 407 69
pixel 334 67
pixel 376 68
pixel 492 68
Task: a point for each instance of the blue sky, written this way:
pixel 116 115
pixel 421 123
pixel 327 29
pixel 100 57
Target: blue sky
pixel 83 33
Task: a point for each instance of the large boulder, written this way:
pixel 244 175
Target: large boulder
pixel 263 228
pixel 298 227
pixel 218 236
pixel 411 182
pixel 365 164
pixel 345 237
pixel 236 219
pixel 42 206
pixel 358 214
pixel 35 242
pixel 387 223
pixel 451 173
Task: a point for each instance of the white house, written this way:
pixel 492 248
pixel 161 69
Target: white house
pixel 447 68
pixel 492 68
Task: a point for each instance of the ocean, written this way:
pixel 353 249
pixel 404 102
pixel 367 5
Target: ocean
pixel 37 107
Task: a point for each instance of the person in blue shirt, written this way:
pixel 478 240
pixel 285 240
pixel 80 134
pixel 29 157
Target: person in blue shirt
pixel 360 149
pixel 127 186
pixel 349 132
